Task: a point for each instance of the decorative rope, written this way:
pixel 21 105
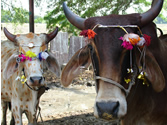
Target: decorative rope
pixel 118 26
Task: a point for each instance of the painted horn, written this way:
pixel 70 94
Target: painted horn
pixel 152 13
pixel 73 18
pixel 10 36
pixel 52 35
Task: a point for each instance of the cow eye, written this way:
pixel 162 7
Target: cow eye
pixel 16 65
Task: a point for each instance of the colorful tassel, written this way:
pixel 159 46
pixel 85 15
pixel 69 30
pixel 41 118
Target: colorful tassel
pixel 30 54
pixel 23 79
pixel 127 80
pixel 88 33
pixel 142 76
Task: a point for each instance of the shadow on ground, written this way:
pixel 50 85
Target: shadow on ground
pixel 82 119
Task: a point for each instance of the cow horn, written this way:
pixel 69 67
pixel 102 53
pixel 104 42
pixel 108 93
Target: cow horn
pixel 152 13
pixel 10 36
pixel 73 18
pixel 51 35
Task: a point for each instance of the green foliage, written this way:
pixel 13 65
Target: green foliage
pixel 17 15
pixel 89 8
pixel 5 16
pixel 20 15
pixel 38 19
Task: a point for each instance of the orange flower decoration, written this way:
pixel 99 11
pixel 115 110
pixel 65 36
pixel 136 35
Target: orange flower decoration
pixel 91 33
pixel 131 38
pixel 134 41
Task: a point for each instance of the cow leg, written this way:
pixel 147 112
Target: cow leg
pixel 17 114
pixel 12 121
pixel 4 106
pixel 31 118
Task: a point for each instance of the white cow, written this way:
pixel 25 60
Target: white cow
pixel 22 82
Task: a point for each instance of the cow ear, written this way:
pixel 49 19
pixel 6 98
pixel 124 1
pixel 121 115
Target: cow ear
pixel 10 67
pixel 154 72
pixel 81 60
pixel 52 64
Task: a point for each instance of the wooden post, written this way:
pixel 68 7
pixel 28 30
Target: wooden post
pixel 31 16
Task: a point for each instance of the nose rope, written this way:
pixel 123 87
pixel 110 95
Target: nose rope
pixel 27 84
pixel 117 84
pixel 132 82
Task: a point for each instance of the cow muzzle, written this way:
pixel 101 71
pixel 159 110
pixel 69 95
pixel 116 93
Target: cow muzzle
pixel 36 81
pixel 107 110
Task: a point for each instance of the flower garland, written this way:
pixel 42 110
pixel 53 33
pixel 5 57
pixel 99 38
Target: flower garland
pixel 30 56
pixel 131 39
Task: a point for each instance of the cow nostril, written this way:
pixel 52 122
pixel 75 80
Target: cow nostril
pixel 115 108
pixel 31 79
pixel 110 108
pixel 40 80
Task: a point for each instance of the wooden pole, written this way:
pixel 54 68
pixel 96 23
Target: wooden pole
pixel 31 16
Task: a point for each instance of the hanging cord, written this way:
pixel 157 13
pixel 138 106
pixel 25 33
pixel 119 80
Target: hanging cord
pixel 131 59
pixel 142 56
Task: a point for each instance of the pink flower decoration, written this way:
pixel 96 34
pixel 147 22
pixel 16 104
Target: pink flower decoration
pixel 127 45
pixel 29 58
pixel 24 58
pixel 121 38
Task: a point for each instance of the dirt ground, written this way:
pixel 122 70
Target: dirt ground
pixel 68 106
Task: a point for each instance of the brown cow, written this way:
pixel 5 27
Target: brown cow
pixel 134 104
pixel 22 83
